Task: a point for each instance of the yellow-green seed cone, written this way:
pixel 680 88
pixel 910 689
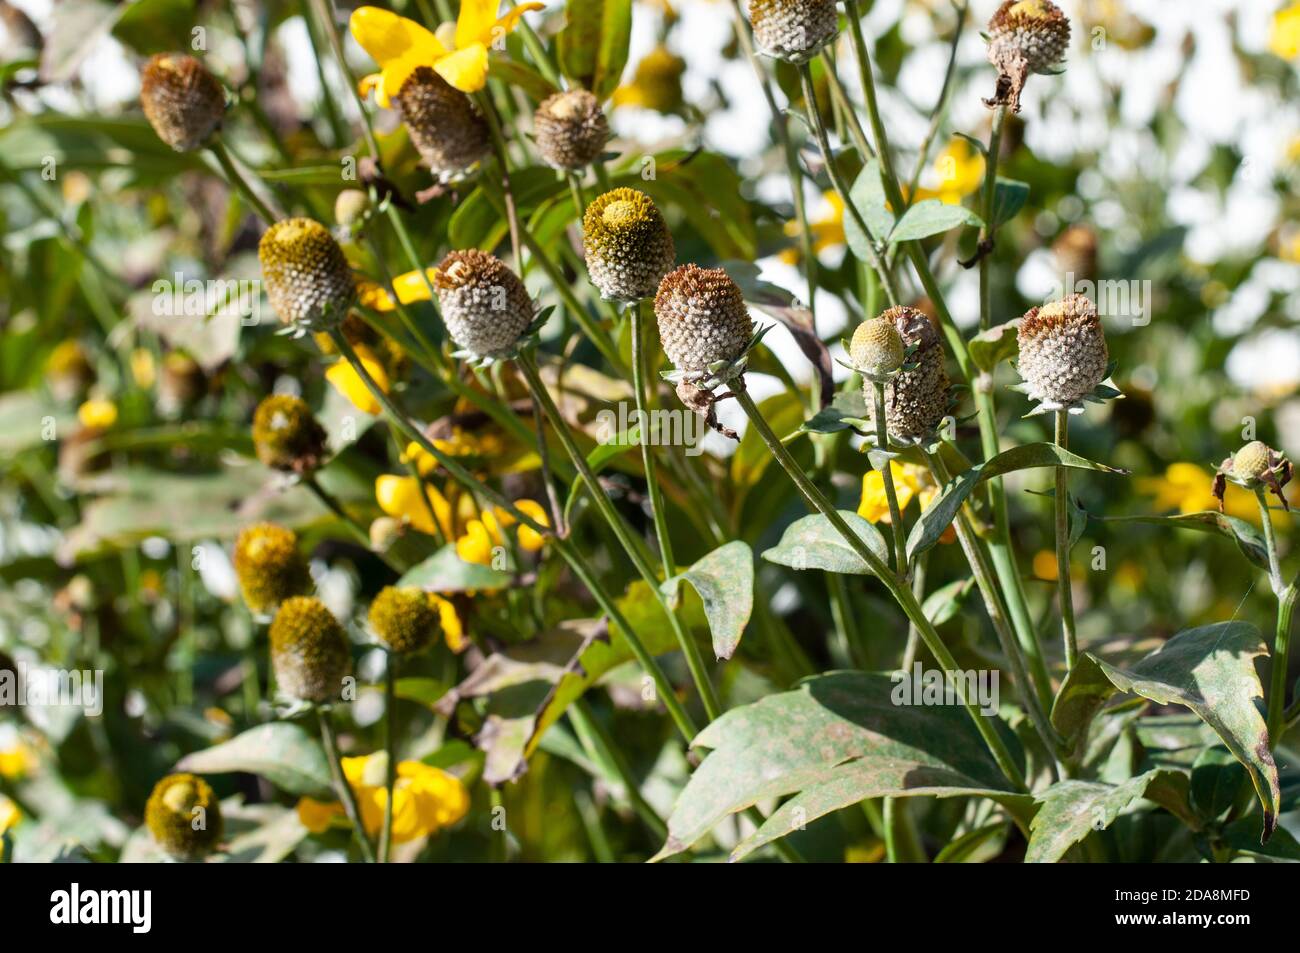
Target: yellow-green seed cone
pixel 876 348
pixel 627 244
pixel 484 304
pixel 309 650
pixel 404 619
pixel 286 434
pixel 1251 461
pixel 702 318
pixel 183 816
pixel 915 400
pixel 308 280
pixel 181 100
pixel 269 567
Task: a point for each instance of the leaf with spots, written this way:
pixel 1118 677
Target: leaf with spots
pixel 725 581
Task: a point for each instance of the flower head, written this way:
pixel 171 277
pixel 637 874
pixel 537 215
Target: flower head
pixel 268 566
pixel 97 414
pixel 309 650
pixel 571 129
pixel 484 304
pixel 627 244
pixel 181 100
pixel 793 30
pixel 1025 36
pixel 702 318
pixel 877 348
pixel 1063 354
pixel 308 279
pixel 286 434
pixel 183 816
pixel 1254 466
pixel 445 126
pixel 404 619
pixel 425 799
pixel 916 400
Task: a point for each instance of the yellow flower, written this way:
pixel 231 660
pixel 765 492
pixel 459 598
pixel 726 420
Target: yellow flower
pixel 827 231
pixel 97 414
pixel 485 534
pixel 17 761
pixel 960 169
pixel 410 287
pixel 874 507
pixel 1284 37
pixel 425 799
pixel 453 630
pixel 10 815
pixel 142 368
pixel 402 497
pixel 348 382
pixel 1045 565
pixel 457 52
pixel 1188 488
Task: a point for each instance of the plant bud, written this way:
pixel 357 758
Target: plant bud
pixel 181 100
pixel 571 129
pixel 445 127
pixel 404 619
pixel 877 348
pixel 793 30
pixel 350 208
pixel 1251 461
pixel 269 567
pixel 702 318
pixel 308 279
pixel 1063 353
pixel 286 434
pixel 183 816
pixel 628 246
pixel 309 650
pixel 484 304
pixel 1025 36
pixel 915 400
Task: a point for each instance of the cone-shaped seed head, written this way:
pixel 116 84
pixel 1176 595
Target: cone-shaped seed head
pixel 1025 36
pixel 308 280
pixel 404 619
pixel 1250 462
pixel 309 650
pixel 702 317
pixel 793 29
pixel 286 434
pixel 1063 352
pixel 182 101
pixel 183 816
pixel 269 567
pixel 628 247
pixel 571 129
pixel 484 304
pixel 916 400
pixel 445 126
pixel 877 347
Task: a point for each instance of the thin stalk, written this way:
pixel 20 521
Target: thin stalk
pixel 237 182
pixel 591 731
pixel 887 475
pixel 841 96
pixel 489 110
pixel 940 105
pixel 1063 544
pixel 643 385
pixel 990 227
pixel 330 502
pixel 341 786
pixel 901 593
pixel 854 16
pixel 324 10
pixel 338 129
pixel 918 591
pixel 1282 636
pixel 390 750
pixel 569 553
pixel 691 651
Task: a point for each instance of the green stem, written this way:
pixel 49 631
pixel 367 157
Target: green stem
pixel 887 475
pixel 330 502
pixel 592 732
pixel 324 10
pixel 643 385
pixel 1282 636
pixel 901 593
pixel 1062 502
pixel 690 649
pixel 390 750
pixel 346 795
pixel 238 182
pixel 940 105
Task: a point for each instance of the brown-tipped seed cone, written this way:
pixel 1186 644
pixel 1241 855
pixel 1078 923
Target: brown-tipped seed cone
pixel 404 619
pixel 1251 461
pixel 269 567
pixel 793 30
pixel 182 101
pixel 286 434
pixel 445 126
pixel 309 650
pixel 183 816
pixel 702 318
pixel 877 347
pixel 1063 353
pixel 916 400
pixel 484 304
pixel 1025 36
pixel 571 129
pixel 308 280
pixel 627 245
pixel 1075 251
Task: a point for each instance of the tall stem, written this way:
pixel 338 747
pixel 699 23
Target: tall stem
pixel 643 384
pixel 390 751
pixel 899 590
pixel 328 500
pixel 237 181
pixel 592 732
pixel 887 475
pixel 346 795
pixel 1282 635
pixel 1062 502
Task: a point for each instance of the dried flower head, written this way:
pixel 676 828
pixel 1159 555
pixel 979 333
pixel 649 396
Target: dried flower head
pixel 484 304
pixel 181 100
pixel 308 279
pixel 1254 466
pixel 793 30
pixel 702 318
pixel 286 434
pixel 183 816
pixel 628 246
pixel 309 650
pixel 916 400
pixel 1063 355
pixel 405 619
pixel 1025 36
pixel 269 567
pixel 445 126
pixel 877 348
pixel 571 129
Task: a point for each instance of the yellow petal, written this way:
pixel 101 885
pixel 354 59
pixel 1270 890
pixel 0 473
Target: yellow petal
pixel 317 816
pixel 465 69
pixel 411 287
pixel 348 382
pixel 97 414
pixel 387 36
pixel 530 540
pixel 508 22
pixel 475 22
pixel 453 632
pixel 476 545
pixel 401 497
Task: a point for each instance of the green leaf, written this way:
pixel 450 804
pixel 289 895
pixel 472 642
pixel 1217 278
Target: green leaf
pixel 445 571
pixel 593 45
pixel 282 752
pixel 930 217
pixel 944 603
pixel 846 411
pixel 981 844
pixel 514 73
pixel 997 344
pixel 938 516
pixel 725 581
pixel 868 196
pixel 1009 197
pixel 1071 810
pixel 23 417
pixel 476 223
pixel 1247 538
pixel 1211 670
pixel 811 542
pixel 156 26
pixel 77 26
pixel 1217 776
pixel 424 691
pixel 834 740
